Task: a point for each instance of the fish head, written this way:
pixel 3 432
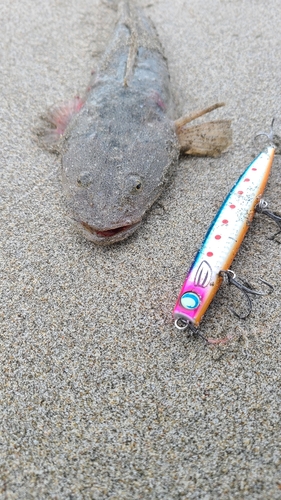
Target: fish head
pixel 111 183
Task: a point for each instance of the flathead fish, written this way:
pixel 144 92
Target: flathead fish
pixel 120 142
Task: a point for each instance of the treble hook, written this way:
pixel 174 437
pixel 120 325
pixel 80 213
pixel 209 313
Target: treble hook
pixel 183 324
pixel 242 285
pixel 261 208
pixel 274 139
pixel 269 135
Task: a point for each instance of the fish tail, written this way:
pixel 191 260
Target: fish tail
pixel 133 30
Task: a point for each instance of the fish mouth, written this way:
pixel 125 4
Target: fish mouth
pixel 108 236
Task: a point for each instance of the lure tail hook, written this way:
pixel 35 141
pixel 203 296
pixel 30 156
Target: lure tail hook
pixel 242 285
pixel 182 324
pixel 261 208
pixel 274 139
pixel 269 135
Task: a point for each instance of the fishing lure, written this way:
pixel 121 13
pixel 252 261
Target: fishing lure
pixel 223 239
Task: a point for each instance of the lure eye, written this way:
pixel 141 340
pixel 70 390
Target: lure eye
pixel 190 300
pixel 85 179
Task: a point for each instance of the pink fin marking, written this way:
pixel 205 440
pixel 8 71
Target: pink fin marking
pixel 158 99
pixel 56 122
pixel 61 116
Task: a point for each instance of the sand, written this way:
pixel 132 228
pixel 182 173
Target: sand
pixel 101 397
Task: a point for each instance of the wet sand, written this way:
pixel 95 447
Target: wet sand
pixel 101 397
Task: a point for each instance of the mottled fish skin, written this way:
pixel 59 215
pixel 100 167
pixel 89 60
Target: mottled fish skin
pixel 119 149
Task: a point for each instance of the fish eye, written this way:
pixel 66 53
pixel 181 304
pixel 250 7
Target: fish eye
pixel 134 184
pixel 85 179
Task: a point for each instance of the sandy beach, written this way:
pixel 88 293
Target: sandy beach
pixel 101 397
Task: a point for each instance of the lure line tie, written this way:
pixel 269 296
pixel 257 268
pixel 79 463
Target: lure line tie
pixel 182 324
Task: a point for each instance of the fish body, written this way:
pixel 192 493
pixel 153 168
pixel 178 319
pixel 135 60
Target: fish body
pixel 223 240
pixel 120 142
pixel 120 147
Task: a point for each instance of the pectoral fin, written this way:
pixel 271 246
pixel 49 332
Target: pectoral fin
pixel 207 139
pixel 54 123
